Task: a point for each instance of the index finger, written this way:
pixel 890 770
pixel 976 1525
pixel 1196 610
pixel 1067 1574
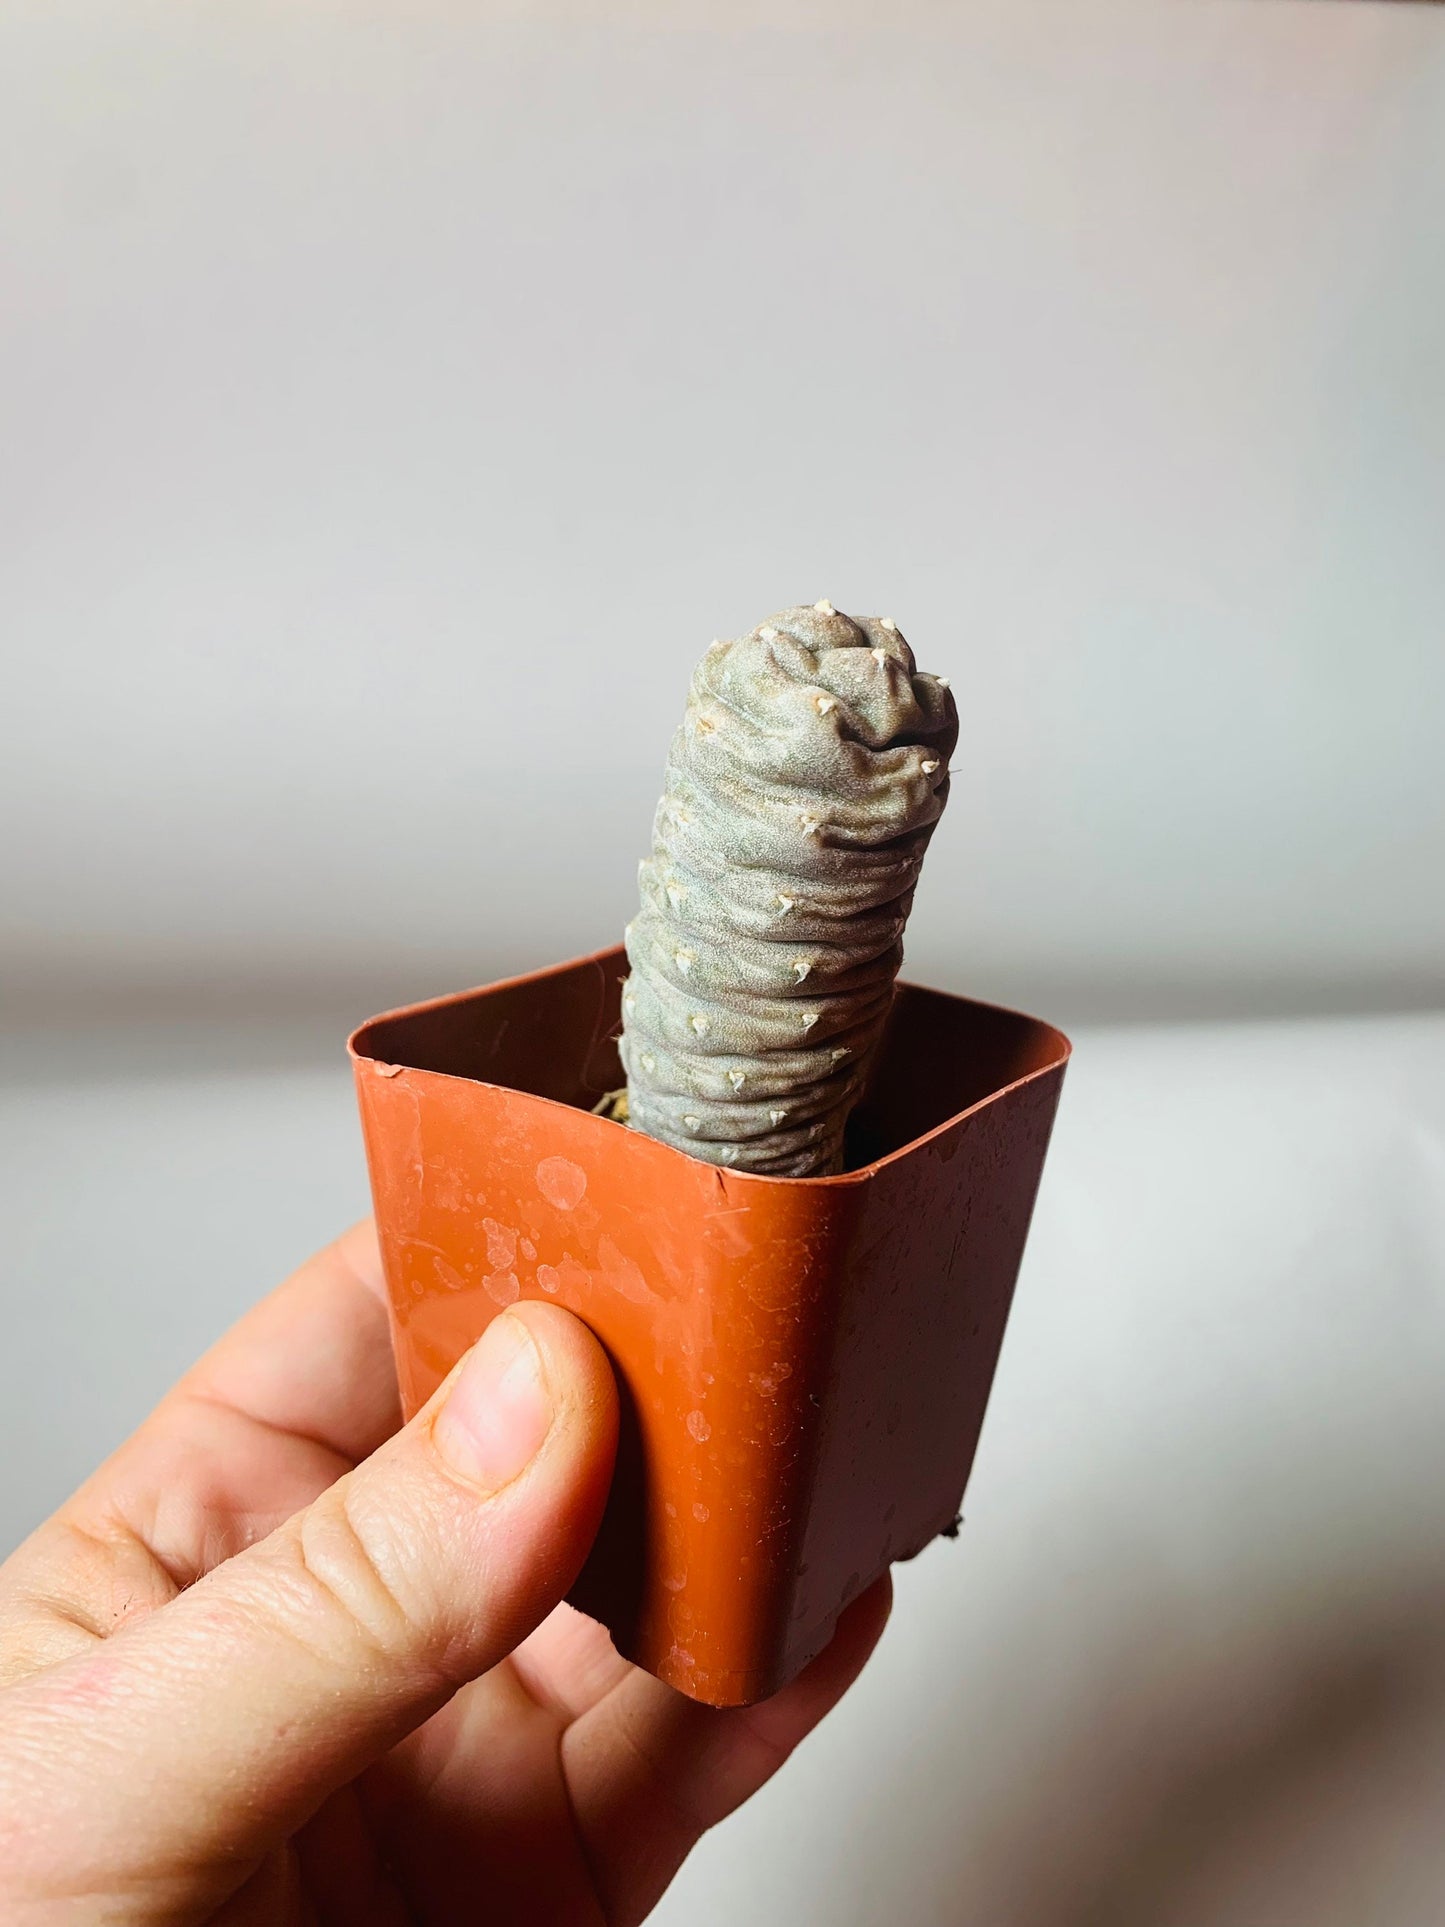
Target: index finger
pixel 293 1396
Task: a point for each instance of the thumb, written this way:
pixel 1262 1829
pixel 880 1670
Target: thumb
pixel 236 1709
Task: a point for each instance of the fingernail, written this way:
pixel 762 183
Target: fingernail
pixel 498 1412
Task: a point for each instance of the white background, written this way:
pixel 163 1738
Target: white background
pixel 397 401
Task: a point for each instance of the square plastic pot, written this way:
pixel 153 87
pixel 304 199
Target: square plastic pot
pixel 804 1362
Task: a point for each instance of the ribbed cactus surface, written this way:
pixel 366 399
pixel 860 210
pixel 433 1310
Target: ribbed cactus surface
pixel 801 791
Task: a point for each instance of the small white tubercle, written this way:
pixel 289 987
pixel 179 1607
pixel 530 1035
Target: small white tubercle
pixel 802 970
pixel 825 607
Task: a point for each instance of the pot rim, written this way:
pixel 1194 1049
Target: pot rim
pixel 1060 1051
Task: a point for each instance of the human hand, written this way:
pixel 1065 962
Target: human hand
pixel 278 1661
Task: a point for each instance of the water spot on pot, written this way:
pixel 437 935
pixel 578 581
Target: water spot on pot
pixel 674 1581
pixel 682 1658
pixel 701 1513
pixel 448 1275
pixel 502 1287
pixel 781 1422
pixel 562 1183
pixel 571 1281
pixel 529 1250
pixel 697 1424
pixel 669 1508
pixel 547 1278
pixel 621 1273
pixel 448 1191
pixel 768 1382
pixel 501 1244
pixel 681 1620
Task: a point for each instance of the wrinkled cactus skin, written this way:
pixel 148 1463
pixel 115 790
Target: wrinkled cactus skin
pixel 801 791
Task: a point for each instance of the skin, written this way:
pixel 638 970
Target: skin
pixel 283 1660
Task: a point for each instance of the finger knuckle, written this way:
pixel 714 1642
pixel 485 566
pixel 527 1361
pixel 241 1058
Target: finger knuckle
pixel 350 1575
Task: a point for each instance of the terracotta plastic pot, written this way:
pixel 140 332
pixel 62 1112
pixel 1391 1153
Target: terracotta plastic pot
pixel 804 1362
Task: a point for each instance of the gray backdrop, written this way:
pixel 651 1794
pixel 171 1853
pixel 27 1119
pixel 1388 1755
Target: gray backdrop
pixel 397 401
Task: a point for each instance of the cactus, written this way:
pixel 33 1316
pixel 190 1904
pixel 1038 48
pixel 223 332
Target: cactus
pixel 801 791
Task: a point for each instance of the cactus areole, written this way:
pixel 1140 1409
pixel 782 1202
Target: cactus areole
pixel 801 791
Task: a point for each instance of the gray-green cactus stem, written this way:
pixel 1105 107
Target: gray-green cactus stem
pixel 801 791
